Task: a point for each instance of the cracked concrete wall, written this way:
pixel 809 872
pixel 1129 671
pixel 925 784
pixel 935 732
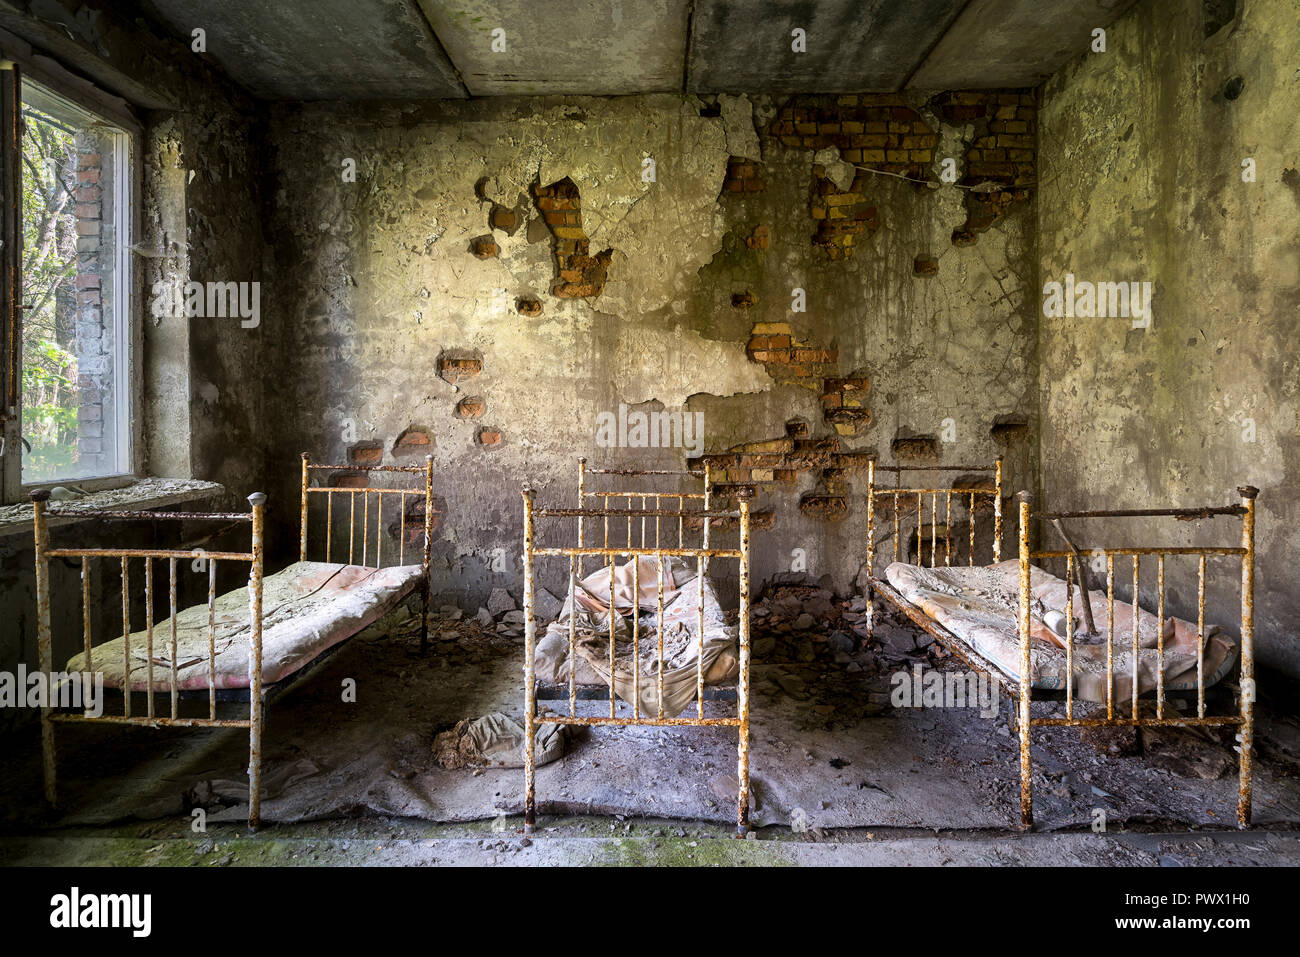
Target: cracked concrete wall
pixel 1141 158
pixel 374 280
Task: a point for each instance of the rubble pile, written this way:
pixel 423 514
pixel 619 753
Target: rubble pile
pixel 799 619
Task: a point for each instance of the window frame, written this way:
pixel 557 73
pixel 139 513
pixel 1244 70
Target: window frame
pixel 127 304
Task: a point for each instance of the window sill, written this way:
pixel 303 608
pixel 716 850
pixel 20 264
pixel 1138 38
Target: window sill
pixel 140 495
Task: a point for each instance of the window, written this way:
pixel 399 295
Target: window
pixel 76 343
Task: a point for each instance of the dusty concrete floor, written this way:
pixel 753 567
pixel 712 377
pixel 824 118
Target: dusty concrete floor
pixel 862 782
pixel 643 842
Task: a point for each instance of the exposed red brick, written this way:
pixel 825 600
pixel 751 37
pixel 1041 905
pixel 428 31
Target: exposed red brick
pixel 506 220
pixel 416 440
pixel 456 368
pixel 915 447
pixel 489 438
pixel 366 453
pixel 471 407
pixel 579 274
pixel 529 306
pixel 483 247
pixel 349 480
pixel 830 508
pixel 744 176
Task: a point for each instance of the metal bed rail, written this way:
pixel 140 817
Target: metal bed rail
pixel 576 554
pixel 151 718
pixel 1244 719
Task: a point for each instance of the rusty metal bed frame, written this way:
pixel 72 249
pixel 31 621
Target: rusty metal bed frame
pixel 1021 690
pixel 1244 720
pixel 257 694
pixel 329 491
pixel 255 720
pixel 633 552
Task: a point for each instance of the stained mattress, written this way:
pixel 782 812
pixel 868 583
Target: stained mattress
pixel 980 605
pixel 307 608
pixel 682 653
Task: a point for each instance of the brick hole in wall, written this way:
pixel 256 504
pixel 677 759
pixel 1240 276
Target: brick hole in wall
pixel 579 275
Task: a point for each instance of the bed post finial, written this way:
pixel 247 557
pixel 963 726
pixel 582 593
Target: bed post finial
pixel 257 498
pixel 1245 491
pixel 40 495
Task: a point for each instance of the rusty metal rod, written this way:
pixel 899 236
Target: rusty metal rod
pixel 742 690
pixel 623 550
pixel 159 722
pixel 1026 675
pixel 145 553
pixel 133 516
pixel 1153 550
pixel 628 512
pixel 1248 695
pixel 1188 513
pixel 639 722
pixel 43 641
pixel 997 511
pixel 1206 722
pixel 531 718
pixel 256 707
pixel 936 468
pixel 413 469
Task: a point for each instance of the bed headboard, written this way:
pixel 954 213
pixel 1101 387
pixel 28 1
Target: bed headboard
pixel 680 502
pixel 366 491
pixel 900 497
pixel 330 491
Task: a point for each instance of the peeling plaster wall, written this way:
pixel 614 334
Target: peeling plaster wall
pixel 374 279
pixel 1141 159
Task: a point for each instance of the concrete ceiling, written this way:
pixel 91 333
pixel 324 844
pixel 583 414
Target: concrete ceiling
pixel 369 49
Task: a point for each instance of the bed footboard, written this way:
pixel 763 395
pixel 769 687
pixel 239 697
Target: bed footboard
pixel 1115 712
pixel 59 685
pixel 656 552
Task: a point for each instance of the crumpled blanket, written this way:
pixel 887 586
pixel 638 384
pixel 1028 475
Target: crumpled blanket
pixel 495 740
pixel 980 605
pixel 635 677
